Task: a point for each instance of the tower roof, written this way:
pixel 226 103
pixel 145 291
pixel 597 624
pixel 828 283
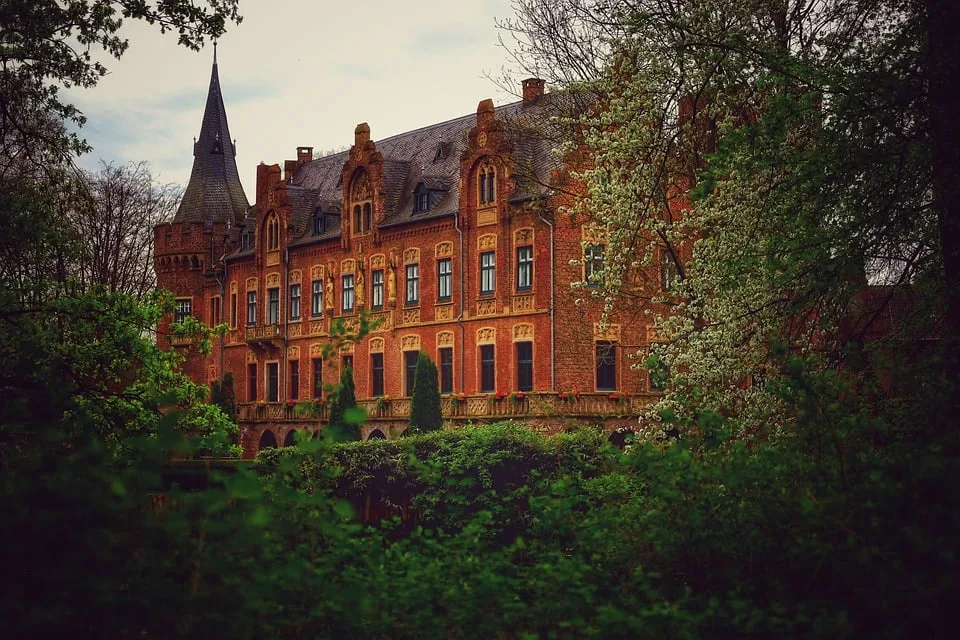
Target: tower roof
pixel 214 193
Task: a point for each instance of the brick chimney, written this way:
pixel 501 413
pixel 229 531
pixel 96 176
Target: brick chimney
pixel 361 135
pixel 532 89
pixel 304 154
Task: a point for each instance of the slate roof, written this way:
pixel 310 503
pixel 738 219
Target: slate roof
pixel 214 193
pixel 430 155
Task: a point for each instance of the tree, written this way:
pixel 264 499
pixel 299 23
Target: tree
pixel 776 154
pixel 223 395
pixel 345 416
pixel 116 221
pixel 425 414
pixel 46 45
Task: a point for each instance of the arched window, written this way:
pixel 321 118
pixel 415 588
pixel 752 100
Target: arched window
pixel 486 184
pixel 361 196
pixel 273 232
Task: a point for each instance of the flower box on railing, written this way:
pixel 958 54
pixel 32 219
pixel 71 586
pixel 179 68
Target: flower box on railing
pixel 517 396
pixel 499 396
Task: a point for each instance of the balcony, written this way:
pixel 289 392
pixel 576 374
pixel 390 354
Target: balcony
pixel 265 334
pixel 468 407
pixel 278 412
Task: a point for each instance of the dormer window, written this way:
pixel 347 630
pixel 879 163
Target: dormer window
pixel 273 232
pixel 246 239
pixel 362 198
pixel 319 222
pixel 486 184
pixel 421 199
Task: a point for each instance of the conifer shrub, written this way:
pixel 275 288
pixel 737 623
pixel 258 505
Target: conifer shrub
pixel 425 414
pixel 345 416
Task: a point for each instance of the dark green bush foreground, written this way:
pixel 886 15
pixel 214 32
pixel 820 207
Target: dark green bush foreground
pixel 820 532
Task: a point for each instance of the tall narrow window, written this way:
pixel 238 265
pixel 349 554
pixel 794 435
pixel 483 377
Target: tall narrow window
pixel 444 279
pixel 273 232
pixel 367 217
pixel 487 185
pixel 251 308
pixel 409 370
pixel 294 380
pixel 348 293
pixel 356 219
pixel 252 382
pixel 525 366
pixel 233 311
pixel 183 310
pixel 606 366
pixel 316 299
pixel 488 272
pixel 273 382
pixel 524 268
pixel 593 264
pixel 273 306
pixel 361 195
pixel 316 383
pixel 376 289
pixel 376 374
pixel 214 311
pixel 413 284
pixel 295 302
pixel 487 370
pixel 446 370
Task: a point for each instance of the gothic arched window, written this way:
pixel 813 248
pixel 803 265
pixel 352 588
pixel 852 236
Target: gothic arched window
pixel 273 232
pixel 486 184
pixel 361 196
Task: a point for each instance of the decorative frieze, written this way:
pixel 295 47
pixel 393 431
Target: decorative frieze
pixel 378 261
pixel 411 316
pixel 486 307
pixel 487 242
pixel 376 345
pixel 273 258
pixel 411 256
pixel 523 332
pixel 609 332
pixel 316 272
pixel 251 284
pixel 486 335
pixel 523 236
pixel 348 266
pixel 444 249
pixel 273 280
pixel 294 330
pixel 295 276
pixel 445 339
pixel 293 353
pixel 443 313
pixel 524 304
pixel 410 343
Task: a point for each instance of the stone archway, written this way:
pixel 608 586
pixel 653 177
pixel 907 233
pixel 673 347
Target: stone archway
pixel 376 434
pixel 290 439
pixel 267 441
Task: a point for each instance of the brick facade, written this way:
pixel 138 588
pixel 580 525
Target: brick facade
pixel 209 262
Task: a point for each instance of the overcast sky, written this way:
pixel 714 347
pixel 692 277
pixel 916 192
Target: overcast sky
pixel 297 72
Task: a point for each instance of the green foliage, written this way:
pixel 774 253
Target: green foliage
pixel 345 416
pixel 425 414
pixel 222 394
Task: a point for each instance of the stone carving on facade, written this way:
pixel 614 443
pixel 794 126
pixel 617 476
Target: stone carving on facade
pixel 487 242
pixel 523 332
pixel 251 356
pixel 378 261
pixel 376 345
pixel 273 279
pixel 293 330
pixel 233 286
pixel 316 327
pixel 348 265
pixel 443 313
pixel 295 276
pixel 411 256
pixel 593 234
pixel 359 289
pixel 411 316
pixel 522 304
pixel 328 303
pixel 391 285
pixel 316 272
pixel 445 339
pixel 316 350
pixel 293 353
pixel 444 249
pixel 487 307
pixel 523 236
pixel 486 335
pixel 251 284
pixel 610 332
pixel 410 343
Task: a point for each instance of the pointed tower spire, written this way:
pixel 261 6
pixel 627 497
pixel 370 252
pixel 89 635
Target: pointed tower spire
pixel 214 192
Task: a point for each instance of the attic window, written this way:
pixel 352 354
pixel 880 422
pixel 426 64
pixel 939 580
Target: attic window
pixel 443 150
pixel 421 199
pixel 319 222
pixel 246 239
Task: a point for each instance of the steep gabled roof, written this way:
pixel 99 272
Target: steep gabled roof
pixel 432 155
pixel 214 193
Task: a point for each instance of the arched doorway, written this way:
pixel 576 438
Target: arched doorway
pixel 267 440
pixel 376 434
pixel 291 438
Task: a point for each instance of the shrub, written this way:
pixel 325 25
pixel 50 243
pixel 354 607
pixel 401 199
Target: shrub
pixel 425 414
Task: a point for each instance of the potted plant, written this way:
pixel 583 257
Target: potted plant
pixel 517 396
pixel 499 395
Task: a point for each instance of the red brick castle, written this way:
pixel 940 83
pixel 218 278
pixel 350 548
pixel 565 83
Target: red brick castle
pixel 449 235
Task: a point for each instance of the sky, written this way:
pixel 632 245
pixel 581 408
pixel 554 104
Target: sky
pixel 296 73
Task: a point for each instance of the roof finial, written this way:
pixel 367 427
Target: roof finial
pixel 214 52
